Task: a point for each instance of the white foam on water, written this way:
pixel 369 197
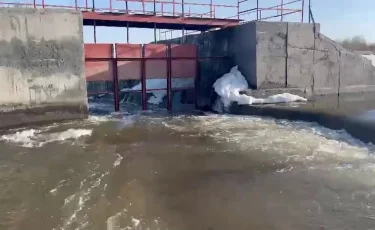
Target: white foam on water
pixel 229 86
pixel 117 161
pixel 84 195
pixel 135 222
pixel 286 142
pixel 112 222
pixel 99 119
pixel 22 137
pixel 69 199
pixel 31 138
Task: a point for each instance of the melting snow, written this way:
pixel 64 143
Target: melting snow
pixel 229 86
pixel 370 57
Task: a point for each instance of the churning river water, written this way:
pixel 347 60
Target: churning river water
pixel 212 172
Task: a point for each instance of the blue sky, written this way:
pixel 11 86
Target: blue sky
pixel 339 19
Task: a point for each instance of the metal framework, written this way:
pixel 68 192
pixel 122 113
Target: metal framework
pixel 254 10
pixel 142 62
pixel 169 15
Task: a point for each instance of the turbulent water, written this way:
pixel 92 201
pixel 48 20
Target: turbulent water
pixel 185 172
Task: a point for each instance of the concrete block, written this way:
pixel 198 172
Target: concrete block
pixel 244 41
pixel 323 43
pixel 214 43
pixel 326 72
pixel 300 68
pixel 41 65
pixel 301 35
pixel 356 70
pixel 357 89
pixel 270 72
pixel 271 39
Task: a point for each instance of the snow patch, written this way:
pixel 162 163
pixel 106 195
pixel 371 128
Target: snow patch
pixel 370 57
pixel 229 86
pixel 35 138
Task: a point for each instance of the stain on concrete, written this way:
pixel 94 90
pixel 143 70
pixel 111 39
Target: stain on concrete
pixel 44 78
pixel 42 114
pixel 43 58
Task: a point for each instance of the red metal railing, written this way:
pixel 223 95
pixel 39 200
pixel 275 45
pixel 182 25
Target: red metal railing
pixel 172 7
pixel 257 11
pixel 157 7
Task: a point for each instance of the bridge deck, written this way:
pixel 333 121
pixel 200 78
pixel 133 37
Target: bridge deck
pixel 151 21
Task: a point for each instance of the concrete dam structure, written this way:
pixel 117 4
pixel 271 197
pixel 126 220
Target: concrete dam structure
pixel 43 63
pixel 41 66
pixel 282 56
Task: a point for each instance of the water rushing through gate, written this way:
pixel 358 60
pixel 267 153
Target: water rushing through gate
pixel 185 172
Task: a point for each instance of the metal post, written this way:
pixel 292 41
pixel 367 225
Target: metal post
pixel 196 79
pixel 126 7
pixel 94 31
pixel 115 84
pixel 309 11
pixel 282 10
pixel 34 3
pixel 155 40
pixel 154 8
pixel 87 4
pixel 211 9
pixel 238 9
pixel 43 3
pixel 174 7
pixel 182 5
pixel 76 4
pixel 169 78
pixel 303 10
pixel 93 5
pixel 257 10
pixel 110 5
pixel 183 35
pixel 143 79
pixel 127 32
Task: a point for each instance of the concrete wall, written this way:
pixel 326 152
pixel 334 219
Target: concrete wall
pixel 297 55
pixel 282 55
pixel 41 66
